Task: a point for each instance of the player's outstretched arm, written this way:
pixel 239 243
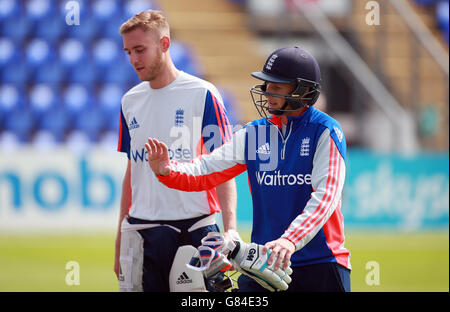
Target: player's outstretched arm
pixel 158 157
pixel 202 173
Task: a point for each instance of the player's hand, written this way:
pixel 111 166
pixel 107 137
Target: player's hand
pixel 281 252
pixel 249 260
pixel 223 243
pixel 158 157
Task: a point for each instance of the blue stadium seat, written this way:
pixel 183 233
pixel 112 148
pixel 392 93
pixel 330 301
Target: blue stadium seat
pixel 426 2
pixel 16 72
pixel 179 52
pixel 192 69
pixel 75 98
pixel 109 96
pixel 184 59
pixel 20 122
pixel 87 74
pixel 56 122
pixel 88 29
pixel 38 10
pixel 9 8
pixel 42 98
pixel 78 141
pixel 108 140
pixel 11 97
pixel 109 99
pixel 9 51
pixel 133 7
pixel 44 140
pixel 442 15
pixel 9 142
pixel 90 121
pixel 49 73
pixel 110 28
pixel 105 52
pixel 16 28
pixel 113 124
pixel 38 52
pixel 121 73
pixel 52 28
pixel 104 10
pixel 233 113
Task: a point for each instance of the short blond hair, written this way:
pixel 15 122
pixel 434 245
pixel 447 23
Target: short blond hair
pixel 147 21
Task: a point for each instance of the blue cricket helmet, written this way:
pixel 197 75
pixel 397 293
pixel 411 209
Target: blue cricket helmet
pixel 289 65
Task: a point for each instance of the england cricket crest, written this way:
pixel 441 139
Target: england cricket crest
pixel 179 117
pixel 304 148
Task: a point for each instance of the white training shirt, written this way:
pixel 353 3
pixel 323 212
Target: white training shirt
pixel 187 115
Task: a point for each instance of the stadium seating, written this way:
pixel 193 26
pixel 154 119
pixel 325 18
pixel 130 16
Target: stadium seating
pixel 72 53
pixel 104 10
pixel 9 51
pixel 108 99
pixel 121 73
pixel 426 2
pixel 11 98
pixel 43 98
pixel 184 59
pixel 39 10
pixel 16 28
pixel 44 140
pixel 9 141
pixel 78 141
pixel 38 52
pixel 21 123
pixel 441 8
pixel 105 52
pixel 442 15
pixel 9 8
pixel 86 31
pixel 51 28
pixel 76 97
pixel 55 122
pixel 228 102
pixel 61 82
pixel 90 121
pixel 133 7
pixel 50 72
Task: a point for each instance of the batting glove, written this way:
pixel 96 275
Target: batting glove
pixel 249 260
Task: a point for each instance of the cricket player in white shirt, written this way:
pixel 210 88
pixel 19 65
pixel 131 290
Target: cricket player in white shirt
pixel 187 114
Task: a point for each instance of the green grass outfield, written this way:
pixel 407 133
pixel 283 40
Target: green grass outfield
pixel 403 262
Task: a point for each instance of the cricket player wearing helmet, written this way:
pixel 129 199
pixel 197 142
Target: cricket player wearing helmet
pixel 295 157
